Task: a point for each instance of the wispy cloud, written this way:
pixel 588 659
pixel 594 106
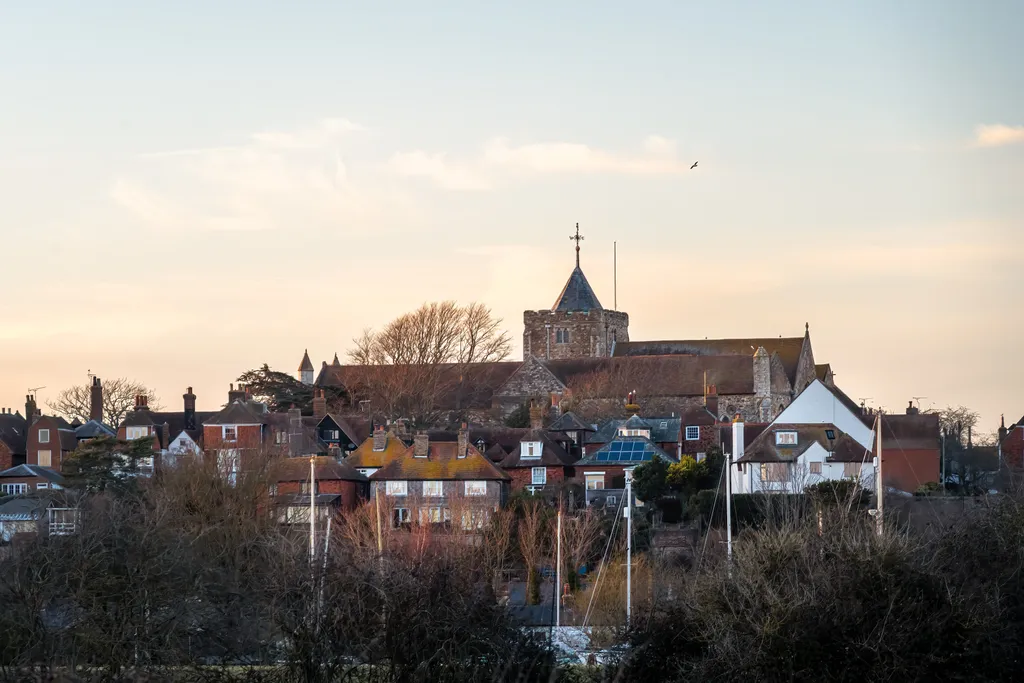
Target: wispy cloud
pixel 325 132
pixel 448 175
pixel 998 135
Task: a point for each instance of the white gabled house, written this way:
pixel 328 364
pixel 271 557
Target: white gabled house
pixel 820 436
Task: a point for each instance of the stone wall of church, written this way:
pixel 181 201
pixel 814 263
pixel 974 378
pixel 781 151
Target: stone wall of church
pixel 562 335
pixel 751 408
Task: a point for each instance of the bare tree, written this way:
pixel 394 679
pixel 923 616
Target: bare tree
pixel 580 535
pixel 534 544
pixel 74 403
pixel 419 364
pixel 958 422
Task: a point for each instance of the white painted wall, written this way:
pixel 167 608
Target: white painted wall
pixel 799 474
pixel 817 405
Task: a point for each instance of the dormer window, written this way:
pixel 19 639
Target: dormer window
pixel 561 335
pixel 785 438
pixel 646 433
pixel 531 449
pixel 132 433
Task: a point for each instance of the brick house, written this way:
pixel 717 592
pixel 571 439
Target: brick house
pixel 237 433
pixel 23 479
pixel 13 432
pixel 1011 444
pixel 338 487
pixel 573 433
pixel 440 483
pixel 50 440
pixel 376 452
pixel 666 432
pixel 539 464
pixel 604 471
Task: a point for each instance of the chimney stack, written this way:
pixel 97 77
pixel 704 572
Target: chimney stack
pixel 294 431
pixel 96 400
pixel 235 394
pixel 30 409
pixel 319 404
pixel 190 409
pixel 380 438
pixel 737 443
pixel 1002 428
pixel 536 416
pixel 711 400
pixel 911 410
pixel 141 402
pixel 421 444
pixel 463 441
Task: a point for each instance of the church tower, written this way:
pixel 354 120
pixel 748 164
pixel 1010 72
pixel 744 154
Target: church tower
pixel 306 370
pixel 576 326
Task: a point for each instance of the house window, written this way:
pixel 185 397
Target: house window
pixel 305 488
pixel 432 489
pixel 773 471
pixel 830 434
pixel 435 515
pixel 229 463
pixel 476 488
pixel 785 438
pixel 132 433
pixel 561 335
pixel 595 481
pixel 540 476
pixel 366 471
pixel 282 437
pixel 474 519
pixel 531 449
pixel 14 489
pixel 646 433
pixel 397 488
pixel 45 459
pixel 44 436
pixel 400 516
pixel 692 433
pixel 273 489
pixel 815 468
pixel 229 433
pixel 701 456
pixel 851 469
pixel 611 501
pixel 42 485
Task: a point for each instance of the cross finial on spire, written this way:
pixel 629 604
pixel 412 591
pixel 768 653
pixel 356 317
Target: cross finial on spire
pixel 577 238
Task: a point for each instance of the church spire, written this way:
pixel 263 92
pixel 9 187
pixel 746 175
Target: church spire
pixel 577 238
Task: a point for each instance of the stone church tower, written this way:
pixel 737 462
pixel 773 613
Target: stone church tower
pixel 576 326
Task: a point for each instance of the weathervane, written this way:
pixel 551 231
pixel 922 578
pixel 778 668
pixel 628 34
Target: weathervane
pixel 577 238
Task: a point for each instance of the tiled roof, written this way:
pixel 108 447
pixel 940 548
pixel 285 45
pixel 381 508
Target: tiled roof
pixel 309 444
pixel 365 457
pixel 496 453
pixel 238 413
pixel 441 463
pixel 910 432
pixel 459 386
pixel 302 499
pixel 821 370
pixel 140 418
pixel 577 295
pixel 570 422
pixel 93 429
pixel 628 451
pixel 13 429
pixel 663 429
pixel 356 427
pixel 325 468
pixel 23 508
pixel 844 448
pixel 68 440
pixel 788 349
pixel 32 471
pixel 664 375
pixel 552 453
pixel 751 431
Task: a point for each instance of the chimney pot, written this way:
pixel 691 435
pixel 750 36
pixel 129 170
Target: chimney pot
pixel 380 438
pixel 463 444
pixel 536 416
pixel 319 404
pixel 711 400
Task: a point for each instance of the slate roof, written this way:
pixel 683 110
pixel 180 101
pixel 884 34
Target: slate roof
pixel 365 457
pixel 309 444
pixel 32 471
pixel 577 295
pixel 93 429
pixel 628 451
pixel 821 370
pixel 662 375
pixel 238 413
pixel 13 431
pixel 302 499
pixel 844 448
pixel 570 422
pixel 356 427
pixel 306 365
pixel 23 508
pixel 325 468
pixel 910 432
pixel 750 432
pixel 787 348
pixel 552 454
pixel 441 463
pixel 68 440
pixel 663 429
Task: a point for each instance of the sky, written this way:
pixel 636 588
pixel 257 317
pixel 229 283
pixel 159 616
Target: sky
pixel 192 189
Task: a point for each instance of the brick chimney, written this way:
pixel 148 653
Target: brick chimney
pixel 380 438
pixel 711 400
pixel 911 410
pixel 96 400
pixel 190 409
pixel 141 402
pixel 165 435
pixel 235 394
pixel 536 416
pixel 319 403
pixel 463 441
pixel 421 444
pixel 31 414
pixel 1002 428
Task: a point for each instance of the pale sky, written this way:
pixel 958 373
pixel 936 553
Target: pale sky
pixel 191 189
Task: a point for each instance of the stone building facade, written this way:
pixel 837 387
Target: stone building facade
pixel 577 326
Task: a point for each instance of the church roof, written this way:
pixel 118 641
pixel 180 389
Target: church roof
pixel 577 295
pixel 787 348
pixel 306 365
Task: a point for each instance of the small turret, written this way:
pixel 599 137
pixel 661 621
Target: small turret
pixel 306 369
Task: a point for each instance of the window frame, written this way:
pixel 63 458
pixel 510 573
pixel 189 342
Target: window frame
pixel 225 429
pixel 696 433
pixel 767 468
pixel 561 335
pixel 543 471
pixel 396 488
pixel 16 489
pixel 814 467
pixel 49 457
pixel 475 488
pixel 398 518
pixel 848 466
pixel 782 438
pixel 435 484
pixel 138 432
pixel 592 477
pixel 44 436
pixel 533 450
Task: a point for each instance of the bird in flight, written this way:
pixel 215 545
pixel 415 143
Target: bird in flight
pixel 694 166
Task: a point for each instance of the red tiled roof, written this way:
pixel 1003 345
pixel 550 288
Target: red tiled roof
pixel 365 457
pixel 844 448
pixel 441 463
pixel 325 468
